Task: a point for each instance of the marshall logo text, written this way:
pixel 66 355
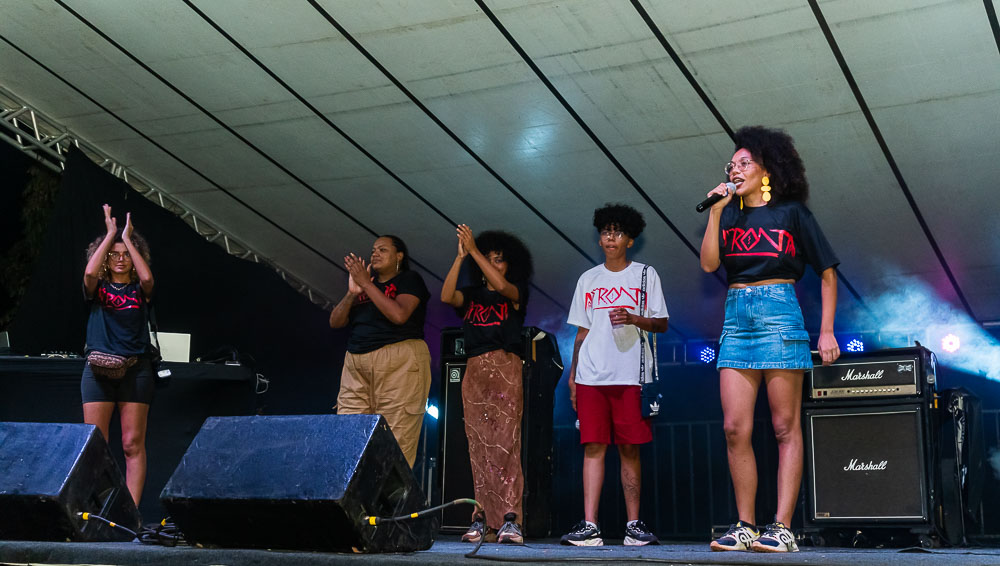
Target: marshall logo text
pixel 854 466
pixel 854 375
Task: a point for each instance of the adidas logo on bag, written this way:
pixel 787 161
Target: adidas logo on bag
pixel 654 408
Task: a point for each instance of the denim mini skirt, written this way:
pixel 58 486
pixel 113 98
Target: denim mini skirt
pixel 764 330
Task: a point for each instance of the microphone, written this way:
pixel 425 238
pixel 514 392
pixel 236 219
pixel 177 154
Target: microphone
pixel 707 203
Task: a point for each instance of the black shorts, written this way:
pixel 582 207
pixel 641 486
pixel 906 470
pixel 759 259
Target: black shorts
pixel 136 386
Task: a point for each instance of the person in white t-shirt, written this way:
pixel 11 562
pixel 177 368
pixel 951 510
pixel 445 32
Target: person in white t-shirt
pixel 604 378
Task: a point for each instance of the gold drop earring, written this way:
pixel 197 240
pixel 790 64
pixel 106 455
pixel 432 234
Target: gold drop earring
pixel 765 189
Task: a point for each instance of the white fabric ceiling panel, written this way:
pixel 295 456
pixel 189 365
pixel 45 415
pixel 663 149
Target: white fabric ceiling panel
pixel 622 83
pixel 174 41
pixel 785 75
pixel 931 75
pixel 516 126
pixel 93 66
pixel 767 62
pixel 928 70
pixel 308 217
pixel 400 135
pixel 67 107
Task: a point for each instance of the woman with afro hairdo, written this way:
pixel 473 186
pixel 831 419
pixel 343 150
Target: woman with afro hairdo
pixel 765 239
pixel 492 395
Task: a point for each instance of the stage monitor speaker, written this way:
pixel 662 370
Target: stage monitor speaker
pixel 52 472
pixel 297 482
pixel 542 370
pixel 867 465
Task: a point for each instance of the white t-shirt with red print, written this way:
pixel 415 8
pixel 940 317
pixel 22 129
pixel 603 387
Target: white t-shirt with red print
pixel 610 355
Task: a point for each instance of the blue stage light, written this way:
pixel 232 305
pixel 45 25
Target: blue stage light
pixel 856 345
pixel 707 355
pixel 432 410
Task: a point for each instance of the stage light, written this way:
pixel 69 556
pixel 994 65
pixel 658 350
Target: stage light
pixel 950 343
pixel 707 355
pixel 856 345
pixel 432 410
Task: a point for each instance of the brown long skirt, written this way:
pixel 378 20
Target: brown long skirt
pixel 493 400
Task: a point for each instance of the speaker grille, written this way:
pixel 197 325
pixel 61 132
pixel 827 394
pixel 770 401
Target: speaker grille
pixel 867 465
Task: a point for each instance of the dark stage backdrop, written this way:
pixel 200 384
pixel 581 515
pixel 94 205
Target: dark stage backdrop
pixel 221 300
pixel 26 195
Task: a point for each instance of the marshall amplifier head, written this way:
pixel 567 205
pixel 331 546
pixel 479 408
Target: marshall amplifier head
pixel 896 372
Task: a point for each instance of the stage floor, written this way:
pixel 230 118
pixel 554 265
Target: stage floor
pixel 449 551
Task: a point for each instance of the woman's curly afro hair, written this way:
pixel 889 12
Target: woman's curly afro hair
pixel 774 150
pixel 620 217
pixel 137 240
pixel 519 265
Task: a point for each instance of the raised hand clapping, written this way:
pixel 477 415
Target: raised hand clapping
pixel 109 221
pixel 466 240
pixel 359 273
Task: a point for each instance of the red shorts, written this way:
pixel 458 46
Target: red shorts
pixel 603 408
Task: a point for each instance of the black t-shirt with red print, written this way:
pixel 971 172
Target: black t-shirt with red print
pixel 775 241
pixel 490 321
pixel 370 329
pixel 118 320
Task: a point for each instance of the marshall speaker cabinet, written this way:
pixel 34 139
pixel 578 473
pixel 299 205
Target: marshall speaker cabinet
pixel 542 370
pixel 868 465
pixel 873 456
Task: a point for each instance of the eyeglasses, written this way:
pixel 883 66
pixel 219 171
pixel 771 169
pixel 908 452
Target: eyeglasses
pixel 742 165
pixel 115 256
pixel 612 234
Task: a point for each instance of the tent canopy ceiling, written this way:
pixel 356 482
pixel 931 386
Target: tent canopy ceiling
pixel 304 129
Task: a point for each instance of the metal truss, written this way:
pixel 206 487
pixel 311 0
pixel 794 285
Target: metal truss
pixel 47 142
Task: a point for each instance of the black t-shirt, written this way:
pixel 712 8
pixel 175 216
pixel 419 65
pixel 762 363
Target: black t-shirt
pixel 776 241
pixel 118 320
pixel 370 329
pixel 490 321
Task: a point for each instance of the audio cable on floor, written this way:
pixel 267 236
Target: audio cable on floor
pixel 379 520
pixel 89 516
pixel 373 521
pixel 164 533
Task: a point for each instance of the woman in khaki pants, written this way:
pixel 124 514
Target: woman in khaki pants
pixel 387 370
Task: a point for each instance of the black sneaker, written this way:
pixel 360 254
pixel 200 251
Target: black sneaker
pixel 776 538
pixel 476 530
pixel 636 534
pixel 510 531
pixel 584 533
pixel 739 537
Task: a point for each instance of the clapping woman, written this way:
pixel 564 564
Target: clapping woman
pixel 118 284
pixel 387 368
pixel 492 395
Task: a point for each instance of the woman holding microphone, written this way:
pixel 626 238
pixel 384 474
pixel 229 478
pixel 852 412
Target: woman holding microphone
pixel 764 236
